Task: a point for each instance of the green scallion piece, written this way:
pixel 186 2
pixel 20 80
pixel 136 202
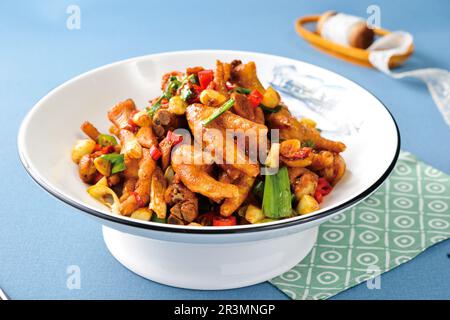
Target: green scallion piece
pixel 106 140
pixel 155 218
pixel 218 112
pixel 193 79
pixel 308 143
pixel 186 93
pixel 117 162
pixel 277 199
pixel 270 110
pixel 152 110
pixel 242 90
pixel 171 89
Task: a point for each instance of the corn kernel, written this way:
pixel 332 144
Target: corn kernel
pixel 307 204
pixel 103 166
pixel 212 98
pixel 142 119
pixel 254 214
pixel 271 98
pixel 81 148
pixel 177 105
pixel 142 214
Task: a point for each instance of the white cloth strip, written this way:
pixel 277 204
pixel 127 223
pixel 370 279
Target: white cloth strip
pixel 437 80
pixel 337 28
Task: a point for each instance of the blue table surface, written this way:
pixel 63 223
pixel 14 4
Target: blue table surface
pixel 40 236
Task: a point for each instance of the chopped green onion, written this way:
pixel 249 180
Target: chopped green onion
pixel 219 111
pixel 171 89
pixel 270 110
pixel 156 219
pixel 258 189
pixel 308 143
pixel 277 201
pixel 270 204
pixel 152 110
pixel 242 90
pixel 285 193
pixel 186 93
pixel 117 162
pixel 106 140
pixel 193 79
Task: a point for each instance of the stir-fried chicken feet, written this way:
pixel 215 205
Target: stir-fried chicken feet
pixel 195 177
pixel 291 128
pixel 211 174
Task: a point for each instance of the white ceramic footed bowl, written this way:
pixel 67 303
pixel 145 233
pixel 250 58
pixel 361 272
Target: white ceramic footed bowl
pixel 210 257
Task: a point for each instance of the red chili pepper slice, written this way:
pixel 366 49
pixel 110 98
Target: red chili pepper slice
pixel 255 98
pixel 108 149
pixel 318 196
pixel 132 125
pixel 323 188
pixel 174 138
pixel 205 77
pixel 197 90
pixel 219 221
pixel 99 150
pixel 97 147
pixel 155 153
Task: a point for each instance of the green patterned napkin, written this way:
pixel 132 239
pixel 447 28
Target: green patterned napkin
pixel 408 214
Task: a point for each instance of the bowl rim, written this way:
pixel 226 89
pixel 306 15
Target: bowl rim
pixel 196 230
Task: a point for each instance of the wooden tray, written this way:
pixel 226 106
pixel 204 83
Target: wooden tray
pixel 350 54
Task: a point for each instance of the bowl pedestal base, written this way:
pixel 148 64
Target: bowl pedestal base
pixel 212 266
